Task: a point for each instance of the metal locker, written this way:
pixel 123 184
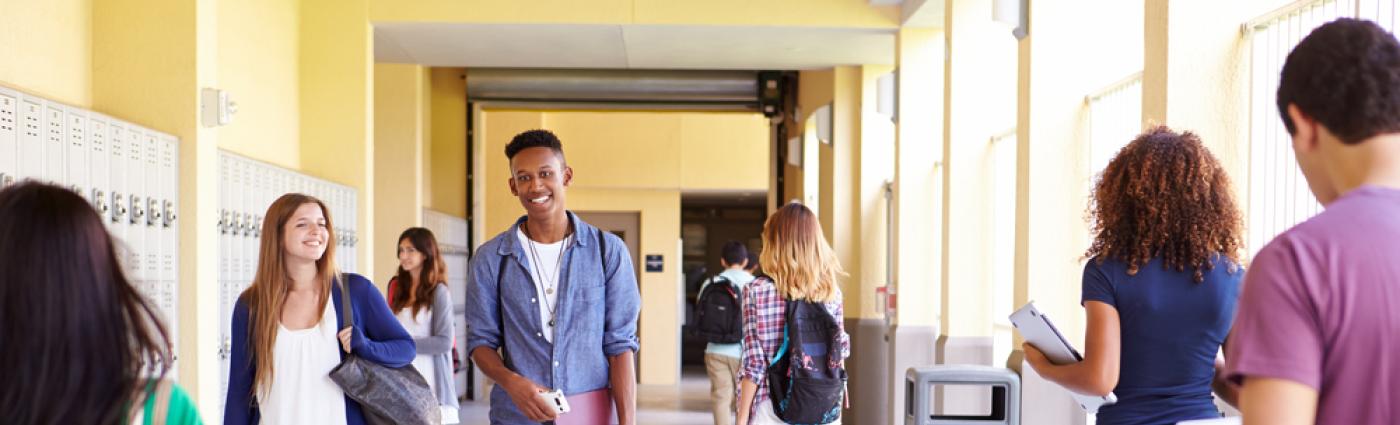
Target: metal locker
pixel 55 148
pixel 98 159
pixel 169 234
pixel 31 138
pixel 226 295
pixel 76 132
pixel 154 244
pixel 135 185
pixel 9 137
pixel 116 181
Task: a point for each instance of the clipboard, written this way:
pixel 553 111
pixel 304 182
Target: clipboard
pixel 1040 332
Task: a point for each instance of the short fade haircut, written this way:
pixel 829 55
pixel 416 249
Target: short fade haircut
pixel 1346 75
pixel 734 252
pixel 537 138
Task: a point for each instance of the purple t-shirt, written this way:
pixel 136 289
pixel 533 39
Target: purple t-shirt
pixel 1321 307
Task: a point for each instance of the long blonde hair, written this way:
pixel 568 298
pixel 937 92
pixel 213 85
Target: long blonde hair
pixel 268 292
pixel 797 257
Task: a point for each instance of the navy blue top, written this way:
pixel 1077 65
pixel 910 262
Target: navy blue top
pixel 599 304
pixel 1172 328
pixel 377 337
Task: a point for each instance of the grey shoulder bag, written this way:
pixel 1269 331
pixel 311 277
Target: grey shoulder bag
pixel 386 395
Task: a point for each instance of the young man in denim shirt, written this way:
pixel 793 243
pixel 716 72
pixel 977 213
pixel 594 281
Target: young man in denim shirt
pixel 552 302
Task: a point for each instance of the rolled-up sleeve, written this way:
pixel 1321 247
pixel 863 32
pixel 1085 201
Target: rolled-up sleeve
pixel 754 360
pixel 624 299
pixel 483 317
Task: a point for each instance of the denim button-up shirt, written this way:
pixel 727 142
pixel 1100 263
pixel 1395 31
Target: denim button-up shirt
pixel 599 304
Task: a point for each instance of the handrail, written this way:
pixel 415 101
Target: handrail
pixel 1285 10
pixel 1135 77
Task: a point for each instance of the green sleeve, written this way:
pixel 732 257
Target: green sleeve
pixel 180 410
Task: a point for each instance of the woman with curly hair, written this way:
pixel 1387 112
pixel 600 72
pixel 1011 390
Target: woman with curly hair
pixel 1160 285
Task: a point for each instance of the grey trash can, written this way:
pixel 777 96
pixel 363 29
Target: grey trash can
pixel 1005 385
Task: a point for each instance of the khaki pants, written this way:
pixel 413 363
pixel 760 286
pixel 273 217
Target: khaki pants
pixel 724 372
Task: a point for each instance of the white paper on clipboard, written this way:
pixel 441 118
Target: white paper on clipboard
pixel 1037 330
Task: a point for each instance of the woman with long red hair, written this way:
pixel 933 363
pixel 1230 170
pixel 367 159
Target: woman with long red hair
pixel 288 328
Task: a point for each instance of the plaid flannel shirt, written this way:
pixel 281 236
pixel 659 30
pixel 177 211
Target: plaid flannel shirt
pixel 764 318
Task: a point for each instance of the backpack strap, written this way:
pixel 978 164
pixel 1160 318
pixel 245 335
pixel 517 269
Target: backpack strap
pixel 501 309
pixel 787 319
pixel 345 302
pixel 602 251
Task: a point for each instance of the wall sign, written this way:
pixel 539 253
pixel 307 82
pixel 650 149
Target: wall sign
pixel 654 263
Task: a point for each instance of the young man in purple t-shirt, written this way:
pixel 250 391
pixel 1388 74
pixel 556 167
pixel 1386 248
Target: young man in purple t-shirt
pixel 1317 336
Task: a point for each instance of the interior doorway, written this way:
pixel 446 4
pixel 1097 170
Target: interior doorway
pixel 707 222
pixel 628 226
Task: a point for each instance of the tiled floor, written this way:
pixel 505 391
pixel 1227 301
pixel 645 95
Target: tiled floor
pixel 687 405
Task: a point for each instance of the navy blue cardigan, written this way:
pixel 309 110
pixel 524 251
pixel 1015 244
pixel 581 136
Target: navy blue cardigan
pixel 377 337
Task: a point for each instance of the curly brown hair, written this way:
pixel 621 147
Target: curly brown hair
pixel 1165 195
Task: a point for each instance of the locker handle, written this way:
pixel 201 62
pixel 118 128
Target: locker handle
pixel 138 210
pixel 169 212
pixel 99 201
pixel 118 207
pixel 153 205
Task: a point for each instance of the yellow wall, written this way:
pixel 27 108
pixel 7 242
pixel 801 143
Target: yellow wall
pixel 147 67
pixel 1198 74
pixel 980 72
pixel 337 107
pixel 824 13
pixel 447 158
pixel 48 48
pixel 875 157
pixel 258 66
pixel 1061 63
pixel 398 159
pixel 635 161
pixel 918 183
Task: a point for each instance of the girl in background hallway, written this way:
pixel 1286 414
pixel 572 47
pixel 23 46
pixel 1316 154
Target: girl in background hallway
pixel 287 327
pixel 1160 284
pixel 419 298
pixel 82 345
pixel 799 266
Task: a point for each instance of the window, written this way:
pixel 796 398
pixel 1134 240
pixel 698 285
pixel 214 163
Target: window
pixel 1278 195
pixel 1003 161
pixel 1115 118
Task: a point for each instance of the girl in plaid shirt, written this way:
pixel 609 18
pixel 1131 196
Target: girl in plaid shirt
pixel 800 265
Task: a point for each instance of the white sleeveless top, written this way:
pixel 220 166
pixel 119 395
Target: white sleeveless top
pixel 302 391
pixel 420 327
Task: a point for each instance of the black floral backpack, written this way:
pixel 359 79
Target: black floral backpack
pixel 805 383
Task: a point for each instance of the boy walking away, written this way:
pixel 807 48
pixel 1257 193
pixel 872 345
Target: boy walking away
pixel 720 323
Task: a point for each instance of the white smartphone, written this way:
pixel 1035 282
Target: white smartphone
pixel 555 399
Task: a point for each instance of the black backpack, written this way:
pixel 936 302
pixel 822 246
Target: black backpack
pixel 719 317
pixel 802 384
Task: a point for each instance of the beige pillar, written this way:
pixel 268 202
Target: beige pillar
pixel 917 203
pixel 337 106
pixel 398 158
pixel 152 77
pixel 1197 75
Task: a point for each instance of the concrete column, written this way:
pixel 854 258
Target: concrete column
pixel 337 106
pixel 918 211
pixel 1060 63
pixel 1196 75
pixel 152 77
pixel 979 81
pixel 398 157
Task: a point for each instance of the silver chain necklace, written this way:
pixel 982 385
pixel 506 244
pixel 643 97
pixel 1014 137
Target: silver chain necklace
pixel 553 281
